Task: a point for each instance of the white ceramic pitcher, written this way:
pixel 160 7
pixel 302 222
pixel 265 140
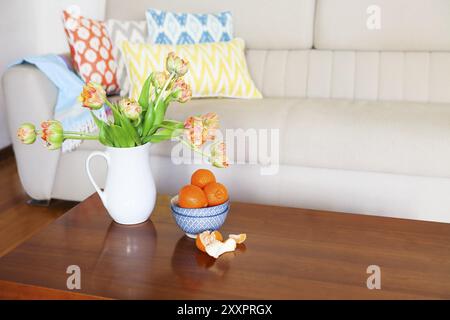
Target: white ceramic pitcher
pixel 130 193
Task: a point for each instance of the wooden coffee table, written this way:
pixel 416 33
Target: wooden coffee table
pixel 289 254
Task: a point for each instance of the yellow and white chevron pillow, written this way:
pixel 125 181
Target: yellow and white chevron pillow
pixel 216 69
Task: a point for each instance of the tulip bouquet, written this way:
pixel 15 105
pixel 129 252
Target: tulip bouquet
pixel 134 123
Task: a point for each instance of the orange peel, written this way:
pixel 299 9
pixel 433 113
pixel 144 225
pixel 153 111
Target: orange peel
pixel 212 242
pixel 217 248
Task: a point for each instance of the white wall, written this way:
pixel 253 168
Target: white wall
pixel 31 27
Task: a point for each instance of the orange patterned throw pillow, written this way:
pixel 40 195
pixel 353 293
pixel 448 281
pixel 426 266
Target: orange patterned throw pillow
pixel 91 50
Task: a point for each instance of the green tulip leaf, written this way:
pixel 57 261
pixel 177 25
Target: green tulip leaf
pixel 121 137
pixel 130 130
pixel 163 132
pixel 157 138
pixel 159 117
pixel 173 124
pixel 116 114
pixel 144 97
pixel 104 136
pixel 148 119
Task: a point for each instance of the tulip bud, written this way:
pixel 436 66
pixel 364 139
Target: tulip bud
pixel 176 65
pixel 27 133
pixel 130 108
pixel 200 129
pixel 160 79
pixel 52 134
pixel 218 155
pixel 182 91
pixel 93 96
pixel 211 124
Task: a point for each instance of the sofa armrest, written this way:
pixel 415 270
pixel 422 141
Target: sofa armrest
pixel 31 97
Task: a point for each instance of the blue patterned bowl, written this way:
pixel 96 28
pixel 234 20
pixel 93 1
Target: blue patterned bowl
pixel 195 221
pixel 200 212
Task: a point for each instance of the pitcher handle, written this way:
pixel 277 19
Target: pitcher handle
pixel 88 170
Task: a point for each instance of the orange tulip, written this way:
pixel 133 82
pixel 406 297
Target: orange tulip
pixel 93 96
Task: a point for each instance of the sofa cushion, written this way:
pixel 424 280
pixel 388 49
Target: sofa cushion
pixel 405 25
pixel 165 27
pixel 216 69
pixel 91 51
pixel 263 25
pixel 387 137
pixel 361 75
pixel 120 30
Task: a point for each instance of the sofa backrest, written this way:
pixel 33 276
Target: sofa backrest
pixel 261 23
pixel 324 48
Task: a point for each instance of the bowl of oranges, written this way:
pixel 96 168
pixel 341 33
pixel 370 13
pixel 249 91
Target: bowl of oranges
pixel 201 205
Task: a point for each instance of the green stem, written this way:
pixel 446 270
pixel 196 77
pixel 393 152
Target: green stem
pixel 168 99
pixel 137 123
pixel 164 89
pixel 193 148
pixel 156 88
pixel 80 137
pixel 116 113
pixel 109 104
pixel 78 133
pixel 164 126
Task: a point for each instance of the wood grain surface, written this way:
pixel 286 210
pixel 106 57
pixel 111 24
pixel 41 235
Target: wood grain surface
pixel 289 254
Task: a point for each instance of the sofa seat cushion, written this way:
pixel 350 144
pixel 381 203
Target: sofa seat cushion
pixel 388 137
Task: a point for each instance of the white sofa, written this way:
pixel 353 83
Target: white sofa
pixel 364 115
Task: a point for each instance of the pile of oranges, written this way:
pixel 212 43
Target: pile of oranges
pixel 203 191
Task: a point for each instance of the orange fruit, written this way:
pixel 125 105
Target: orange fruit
pixel 216 193
pixel 207 237
pixel 202 177
pixel 192 197
pixel 239 238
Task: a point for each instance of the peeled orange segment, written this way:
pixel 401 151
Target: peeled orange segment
pixel 217 248
pixel 203 239
pixel 207 237
pixel 239 238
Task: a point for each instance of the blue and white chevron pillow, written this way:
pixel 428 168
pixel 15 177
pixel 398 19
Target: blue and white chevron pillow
pixel 188 28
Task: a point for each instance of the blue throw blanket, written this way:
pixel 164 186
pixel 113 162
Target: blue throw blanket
pixel 68 109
